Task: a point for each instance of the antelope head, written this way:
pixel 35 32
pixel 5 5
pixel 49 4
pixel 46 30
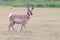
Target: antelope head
pixel 29 12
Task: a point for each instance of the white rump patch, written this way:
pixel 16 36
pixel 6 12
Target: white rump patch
pixel 10 15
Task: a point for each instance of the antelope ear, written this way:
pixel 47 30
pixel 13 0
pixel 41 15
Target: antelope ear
pixel 28 8
pixel 32 8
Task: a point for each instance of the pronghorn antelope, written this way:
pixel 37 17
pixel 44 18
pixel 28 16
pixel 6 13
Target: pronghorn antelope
pixel 19 19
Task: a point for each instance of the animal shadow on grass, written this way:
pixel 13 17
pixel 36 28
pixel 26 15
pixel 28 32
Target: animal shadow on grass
pixel 27 31
pixel 23 31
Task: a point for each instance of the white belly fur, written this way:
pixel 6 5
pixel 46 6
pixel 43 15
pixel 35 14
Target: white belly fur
pixel 19 21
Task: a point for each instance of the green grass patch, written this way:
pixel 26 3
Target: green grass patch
pixel 35 3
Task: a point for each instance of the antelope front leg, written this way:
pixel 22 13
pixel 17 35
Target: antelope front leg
pixel 23 25
pixel 21 28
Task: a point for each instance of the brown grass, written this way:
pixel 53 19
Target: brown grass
pixel 43 25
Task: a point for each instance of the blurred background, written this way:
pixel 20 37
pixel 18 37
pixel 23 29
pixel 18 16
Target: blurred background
pixel 36 3
pixel 44 24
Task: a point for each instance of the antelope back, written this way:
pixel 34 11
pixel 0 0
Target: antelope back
pixel 23 17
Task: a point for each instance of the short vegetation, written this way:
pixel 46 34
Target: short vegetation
pixel 35 3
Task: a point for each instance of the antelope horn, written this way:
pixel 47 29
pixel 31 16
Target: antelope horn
pixel 32 8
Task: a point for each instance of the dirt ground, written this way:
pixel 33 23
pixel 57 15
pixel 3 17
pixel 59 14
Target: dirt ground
pixel 43 25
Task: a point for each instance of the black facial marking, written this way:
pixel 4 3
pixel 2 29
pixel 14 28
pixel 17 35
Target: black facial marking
pixel 30 12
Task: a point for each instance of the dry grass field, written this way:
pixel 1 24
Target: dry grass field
pixel 43 25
